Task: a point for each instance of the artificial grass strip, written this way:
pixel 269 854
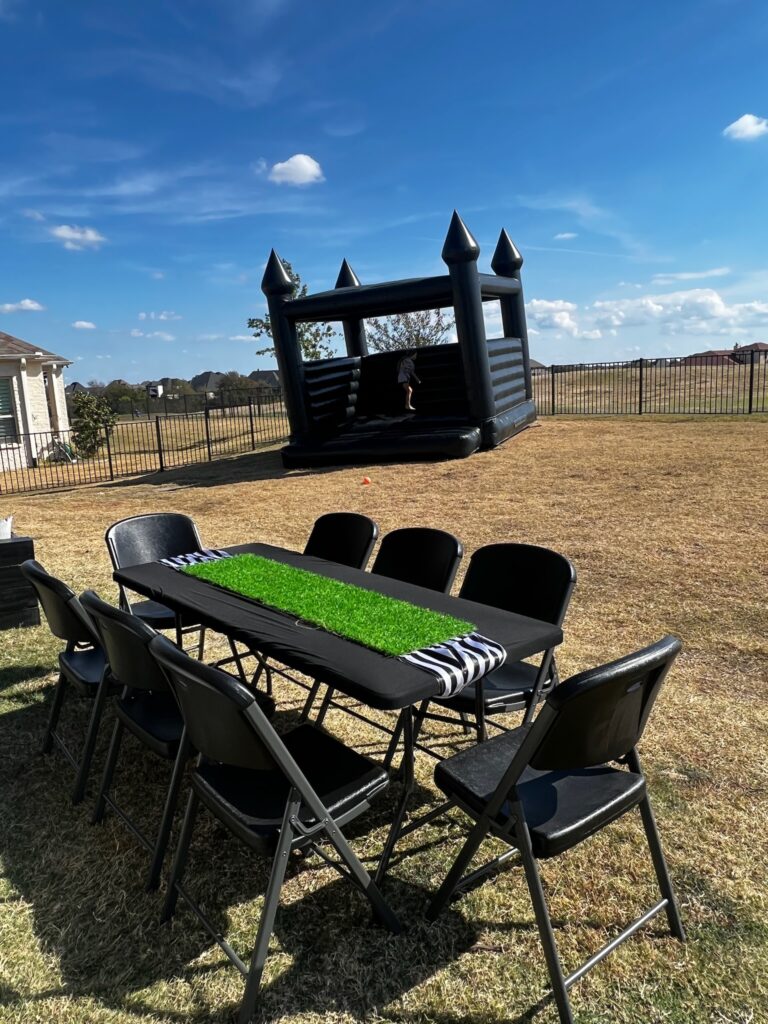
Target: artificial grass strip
pixel 382 623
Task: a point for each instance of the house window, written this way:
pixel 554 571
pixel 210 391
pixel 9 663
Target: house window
pixel 8 432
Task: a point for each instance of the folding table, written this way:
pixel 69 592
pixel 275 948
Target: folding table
pixel 377 680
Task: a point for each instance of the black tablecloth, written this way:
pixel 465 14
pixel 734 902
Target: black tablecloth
pixel 375 679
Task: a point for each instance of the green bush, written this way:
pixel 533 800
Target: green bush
pixel 92 420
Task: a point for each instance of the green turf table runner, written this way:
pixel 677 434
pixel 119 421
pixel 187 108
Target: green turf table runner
pixel 374 620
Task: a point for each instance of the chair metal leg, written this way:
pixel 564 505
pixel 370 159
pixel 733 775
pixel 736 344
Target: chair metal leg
pixel 662 872
pixel 454 876
pixel 164 832
pixel 179 632
pixel 86 757
pixel 180 860
pixel 307 709
pixel 109 771
pixel 464 723
pixel 53 718
pixel 482 732
pixel 381 908
pixel 544 924
pixel 406 719
pixel 201 644
pixel 271 902
pixel 324 706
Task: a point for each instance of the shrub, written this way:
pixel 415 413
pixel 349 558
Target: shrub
pixel 92 420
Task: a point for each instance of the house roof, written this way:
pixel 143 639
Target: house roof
pixel 15 348
pixel 264 377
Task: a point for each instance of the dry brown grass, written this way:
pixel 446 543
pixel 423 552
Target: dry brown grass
pixel 665 522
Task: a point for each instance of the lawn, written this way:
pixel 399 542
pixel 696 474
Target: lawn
pixel 665 522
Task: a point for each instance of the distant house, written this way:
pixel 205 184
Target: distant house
pixel 207 382
pixel 268 379
pixel 32 401
pixel 537 367
pixel 743 354
pixel 715 357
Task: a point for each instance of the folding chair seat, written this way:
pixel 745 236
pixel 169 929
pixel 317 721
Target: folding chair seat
pixel 82 667
pixel 148 710
pixel 419 555
pixel 148 538
pixel 561 808
pixel 276 793
pixel 343 537
pixel 544 788
pixel 251 802
pixel 527 580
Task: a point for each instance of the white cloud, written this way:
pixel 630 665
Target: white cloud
pixel 558 315
pixel 299 169
pixel 241 337
pixel 84 325
pixel 33 215
pixel 209 337
pixel 746 128
pixel 691 275
pixel 165 314
pixel 77 238
pixel 157 275
pixel 694 311
pixel 260 166
pixel 160 335
pixel 565 236
pixel 23 306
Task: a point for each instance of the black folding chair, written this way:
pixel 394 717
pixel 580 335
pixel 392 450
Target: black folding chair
pixel 418 554
pixel 82 666
pixel 275 793
pixel 526 580
pixel 546 787
pixel 343 537
pixel 148 538
pixel 148 710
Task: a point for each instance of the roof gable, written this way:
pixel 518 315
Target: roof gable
pixel 16 348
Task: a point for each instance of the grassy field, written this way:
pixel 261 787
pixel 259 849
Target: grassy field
pixel 665 522
pixel 613 388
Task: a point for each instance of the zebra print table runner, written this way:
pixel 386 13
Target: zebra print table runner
pixel 456 663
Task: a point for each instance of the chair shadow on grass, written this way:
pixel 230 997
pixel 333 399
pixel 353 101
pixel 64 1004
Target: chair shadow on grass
pixel 84 887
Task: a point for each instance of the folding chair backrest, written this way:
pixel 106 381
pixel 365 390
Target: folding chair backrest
pixel 125 639
pixel 343 537
pixel 521 578
pixel 66 617
pixel 599 715
pixel 150 537
pixel 420 555
pixel 212 705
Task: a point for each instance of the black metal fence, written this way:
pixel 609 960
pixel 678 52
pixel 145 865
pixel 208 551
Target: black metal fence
pixel 142 406
pixel 48 460
pixel 710 385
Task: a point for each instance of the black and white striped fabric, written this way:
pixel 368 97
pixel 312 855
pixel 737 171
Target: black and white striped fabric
pixel 195 558
pixel 459 662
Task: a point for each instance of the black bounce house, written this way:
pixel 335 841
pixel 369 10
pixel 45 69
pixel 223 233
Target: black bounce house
pixel 473 394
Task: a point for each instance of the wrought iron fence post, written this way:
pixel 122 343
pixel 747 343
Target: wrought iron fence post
pixel 751 406
pixel 109 452
pixel 640 388
pixel 208 433
pixel 159 433
pixel 552 382
pixel 250 420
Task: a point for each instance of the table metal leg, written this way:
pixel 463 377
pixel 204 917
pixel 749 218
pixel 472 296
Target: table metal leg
pixel 406 765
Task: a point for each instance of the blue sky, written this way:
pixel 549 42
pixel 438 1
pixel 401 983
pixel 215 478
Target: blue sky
pixel 155 152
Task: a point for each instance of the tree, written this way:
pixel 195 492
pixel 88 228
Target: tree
pixel 233 380
pixel 92 420
pixel 408 330
pixel 314 339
